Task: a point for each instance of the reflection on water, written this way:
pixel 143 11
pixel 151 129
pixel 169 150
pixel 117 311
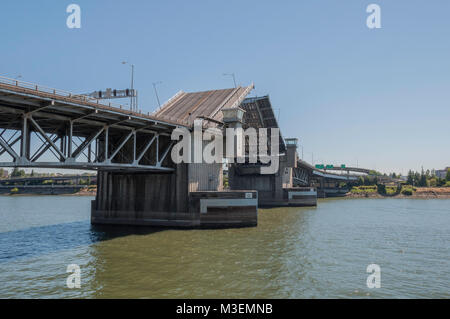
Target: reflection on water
pixel 293 253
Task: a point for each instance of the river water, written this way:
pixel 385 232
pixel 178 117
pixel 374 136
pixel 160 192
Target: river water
pixel 318 252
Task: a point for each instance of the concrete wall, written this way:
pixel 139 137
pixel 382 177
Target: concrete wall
pixel 164 199
pixel 143 198
pixel 269 186
pixel 225 209
pixel 205 177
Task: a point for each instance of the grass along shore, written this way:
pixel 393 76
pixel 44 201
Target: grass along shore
pixel 405 191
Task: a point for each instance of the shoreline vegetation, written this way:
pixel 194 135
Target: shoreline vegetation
pixel 356 192
pixel 405 191
pixel 424 185
pixel 86 191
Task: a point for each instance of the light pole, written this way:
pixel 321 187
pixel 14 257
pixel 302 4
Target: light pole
pixel 312 157
pixel 133 107
pixel 232 75
pixel 156 91
pixel 302 151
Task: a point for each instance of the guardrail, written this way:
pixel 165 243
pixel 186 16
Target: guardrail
pixel 78 97
pixel 58 92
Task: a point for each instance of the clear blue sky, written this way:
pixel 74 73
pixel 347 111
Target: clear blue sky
pixel 380 97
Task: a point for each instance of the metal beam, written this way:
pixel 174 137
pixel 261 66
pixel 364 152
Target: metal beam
pixel 138 159
pixel 163 157
pixel 122 144
pixel 11 144
pixel 86 142
pixel 42 149
pixel 8 149
pixel 41 131
pixel 52 103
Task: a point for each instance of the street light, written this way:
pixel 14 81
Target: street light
pixel 156 91
pixel 232 75
pixel 302 151
pixel 132 106
pixel 312 157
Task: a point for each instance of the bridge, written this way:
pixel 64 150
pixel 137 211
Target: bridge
pixel 41 179
pixel 137 181
pixel 78 132
pixel 351 169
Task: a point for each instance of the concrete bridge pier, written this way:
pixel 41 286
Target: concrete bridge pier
pixel 142 198
pixel 177 199
pixel 273 189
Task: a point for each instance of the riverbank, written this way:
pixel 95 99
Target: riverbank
pixel 419 192
pixel 51 191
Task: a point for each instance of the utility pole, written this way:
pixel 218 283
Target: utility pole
pixel 156 92
pixel 232 75
pixel 133 107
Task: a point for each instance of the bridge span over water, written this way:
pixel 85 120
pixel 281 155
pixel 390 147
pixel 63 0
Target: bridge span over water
pixel 138 183
pixel 78 132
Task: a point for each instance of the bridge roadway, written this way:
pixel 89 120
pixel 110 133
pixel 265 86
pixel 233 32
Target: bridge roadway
pixel 351 169
pixel 325 173
pixel 79 131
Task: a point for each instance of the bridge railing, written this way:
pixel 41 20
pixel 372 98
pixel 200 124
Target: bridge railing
pixel 80 97
pixel 57 92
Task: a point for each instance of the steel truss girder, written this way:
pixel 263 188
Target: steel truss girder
pixel 300 176
pixel 67 158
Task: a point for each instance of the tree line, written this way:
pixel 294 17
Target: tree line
pixel 427 179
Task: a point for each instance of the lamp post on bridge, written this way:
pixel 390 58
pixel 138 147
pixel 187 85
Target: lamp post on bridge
pixel 156 91
pixel 302 151
pixel 133 107
pixel 233 76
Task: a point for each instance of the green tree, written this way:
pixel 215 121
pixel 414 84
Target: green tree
pixel 416 178
pixel 18 172
pixel 447 177
pixel 433 182
pixel 381 188
pixel 360 181
pixel 423 179
pixel 410 179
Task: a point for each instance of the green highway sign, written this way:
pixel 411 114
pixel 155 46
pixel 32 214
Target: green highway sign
pixel 329 166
